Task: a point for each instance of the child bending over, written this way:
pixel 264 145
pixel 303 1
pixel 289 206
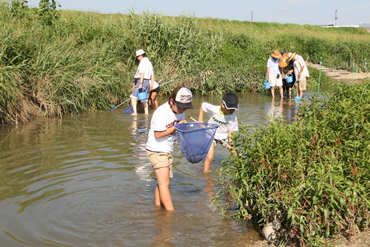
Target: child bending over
pixel 226 120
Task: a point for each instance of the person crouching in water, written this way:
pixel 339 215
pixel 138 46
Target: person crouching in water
pixel 163 139
pixel 274 73
pixel 226 120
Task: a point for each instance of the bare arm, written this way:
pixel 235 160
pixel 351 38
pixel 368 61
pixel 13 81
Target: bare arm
pixel 160 134
pixel 169 131
pixel 300 72
pixel 267 72
pixel 141 80
pixel 281 72
pixel 133 87
pixel 229 134
pixel 200 117
pixel 152 83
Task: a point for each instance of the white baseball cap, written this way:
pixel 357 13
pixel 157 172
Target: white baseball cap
pixel 140 52
pixel 183 99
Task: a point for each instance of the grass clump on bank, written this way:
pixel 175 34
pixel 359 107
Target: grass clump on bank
pixel 56 62
pixel 311 176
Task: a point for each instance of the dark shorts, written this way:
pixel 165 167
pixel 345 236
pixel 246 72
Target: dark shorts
pixel 156 90
pixel 287 84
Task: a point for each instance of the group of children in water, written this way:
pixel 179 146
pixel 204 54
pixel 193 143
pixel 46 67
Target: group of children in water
pixel 162 137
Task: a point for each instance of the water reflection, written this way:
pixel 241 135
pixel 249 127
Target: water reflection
pixel 274 110
pixel 163 228
pixel 209 186
pixel 139 129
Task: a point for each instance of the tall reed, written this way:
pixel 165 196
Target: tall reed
pixel 85 61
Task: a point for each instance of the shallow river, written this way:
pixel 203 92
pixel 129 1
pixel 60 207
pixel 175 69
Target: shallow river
pixel 84 180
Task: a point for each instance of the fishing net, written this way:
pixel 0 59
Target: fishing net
pixel 195 139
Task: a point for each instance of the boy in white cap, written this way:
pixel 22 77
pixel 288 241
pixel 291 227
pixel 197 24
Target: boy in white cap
pixel 162 140
pixel 143 74
pixel 226 120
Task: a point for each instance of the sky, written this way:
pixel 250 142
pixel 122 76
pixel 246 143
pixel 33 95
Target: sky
pixel 313 12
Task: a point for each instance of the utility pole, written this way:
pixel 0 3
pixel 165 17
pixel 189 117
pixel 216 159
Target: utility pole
pixel 336 18
pixel 252 16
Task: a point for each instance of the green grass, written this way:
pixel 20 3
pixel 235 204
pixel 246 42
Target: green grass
pixel 85 61
pixel 312 176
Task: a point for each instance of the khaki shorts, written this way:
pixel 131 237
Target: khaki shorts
pixel 159 160
pixel 302 84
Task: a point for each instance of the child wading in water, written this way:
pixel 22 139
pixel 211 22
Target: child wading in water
pixel 226 120
pixel 163 139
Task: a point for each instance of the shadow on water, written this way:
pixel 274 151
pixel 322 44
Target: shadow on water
pixel 84 180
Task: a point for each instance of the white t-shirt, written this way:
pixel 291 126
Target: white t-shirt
pixel 224 122
pixel 146 67
pixel 155 85
pixel 273 65
pixel 163 118
pixel 298 64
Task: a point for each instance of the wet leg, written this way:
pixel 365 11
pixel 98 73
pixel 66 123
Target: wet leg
pixel 281 91
pixel 273 92
pixel 209 158
pixel 164 193
pixel 134 106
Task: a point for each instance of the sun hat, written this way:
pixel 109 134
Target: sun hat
pixel 291 55
pixel 140 52
pixel 276 54
pixel 284 61
pixel 231 101
pixel 183 99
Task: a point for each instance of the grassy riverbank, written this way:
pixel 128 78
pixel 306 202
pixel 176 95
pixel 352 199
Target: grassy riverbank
pixel 85 61
pixel 311 176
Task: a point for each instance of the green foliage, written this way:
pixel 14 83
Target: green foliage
pixel 313 80
pixel 47 12
pixel 19 8
pixel 312 175
pixel 46 57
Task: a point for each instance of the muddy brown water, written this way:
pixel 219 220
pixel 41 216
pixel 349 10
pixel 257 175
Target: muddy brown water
pixel 84 180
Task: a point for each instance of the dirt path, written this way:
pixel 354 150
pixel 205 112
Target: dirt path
pixel 339 74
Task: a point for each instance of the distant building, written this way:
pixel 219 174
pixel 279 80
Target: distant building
pixel 365 25
pixel 332 25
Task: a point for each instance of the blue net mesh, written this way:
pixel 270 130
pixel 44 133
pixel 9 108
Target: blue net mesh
pixel 195 139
